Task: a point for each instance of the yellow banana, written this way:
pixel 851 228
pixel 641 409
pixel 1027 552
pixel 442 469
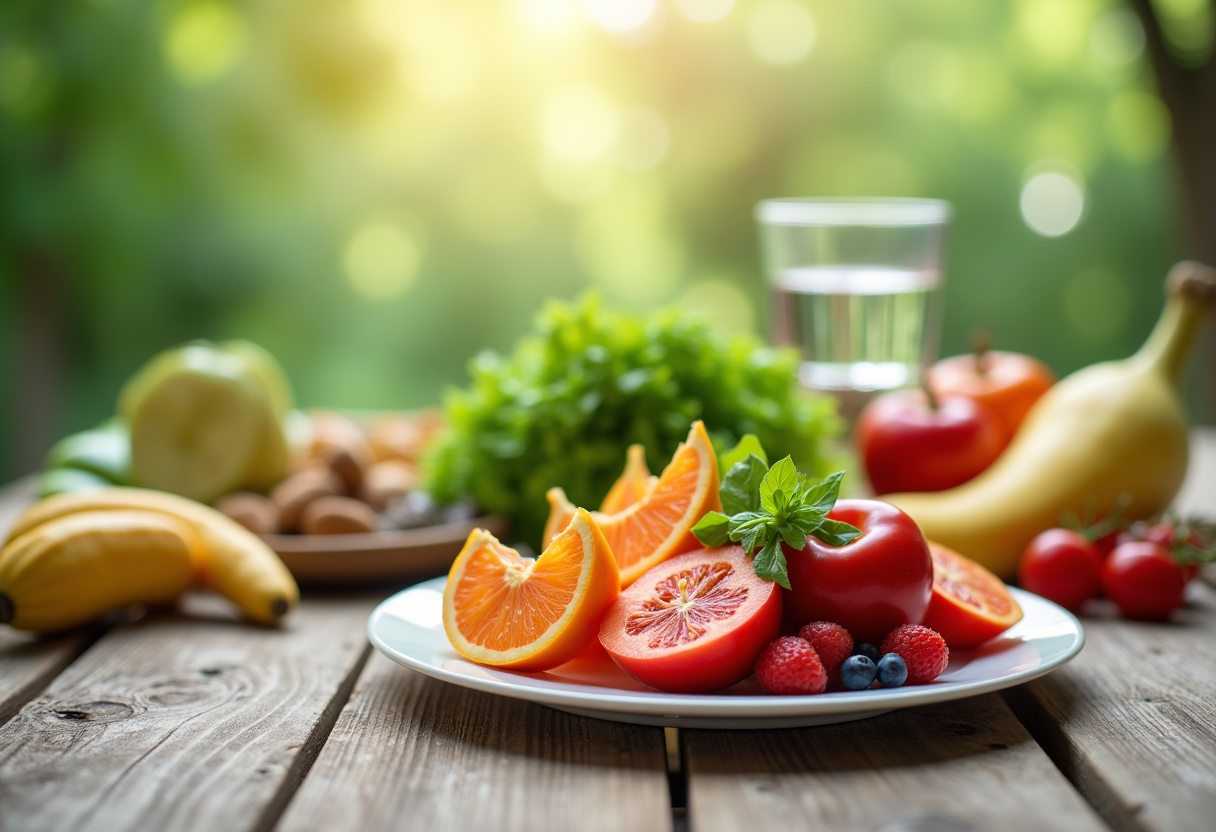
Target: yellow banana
pixel 231 560
pixel 1112 428
pixel 74 568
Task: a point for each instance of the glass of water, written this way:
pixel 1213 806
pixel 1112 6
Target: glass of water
pixel 856 286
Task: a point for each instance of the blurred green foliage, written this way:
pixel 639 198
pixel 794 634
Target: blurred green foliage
pixel 377 189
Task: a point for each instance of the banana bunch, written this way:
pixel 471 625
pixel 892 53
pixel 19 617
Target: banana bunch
pixel 72 557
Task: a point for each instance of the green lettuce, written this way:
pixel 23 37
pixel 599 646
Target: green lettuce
pixel 564 406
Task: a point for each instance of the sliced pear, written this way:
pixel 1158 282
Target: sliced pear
pixel 197 417
pixel 269 463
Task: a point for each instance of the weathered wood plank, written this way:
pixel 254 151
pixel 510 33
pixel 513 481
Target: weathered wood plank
pixel 193 721
pixel 409 752
pixel 1132 721
pixel 967 765
pixel 28 663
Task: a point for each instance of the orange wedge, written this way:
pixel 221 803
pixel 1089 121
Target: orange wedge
pixel 659 525
pixel 530 614
pixel 634 483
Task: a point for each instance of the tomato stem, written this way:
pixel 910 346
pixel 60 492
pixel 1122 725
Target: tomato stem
pixel 981 344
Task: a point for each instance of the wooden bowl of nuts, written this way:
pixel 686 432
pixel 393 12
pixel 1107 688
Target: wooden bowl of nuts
pixel 350 511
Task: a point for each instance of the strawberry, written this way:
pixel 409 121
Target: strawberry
pixel 833 644
pixel 790 665
pixel 923 651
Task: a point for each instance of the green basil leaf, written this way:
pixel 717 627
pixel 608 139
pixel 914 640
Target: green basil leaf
pixel 740 490
pixel 748 445
pixel 769 563
pixel 836 533
pixel 783 476
pixel 751 537
pixel 713 529
pixel 794 536
pixel 748 518
pixel 823 495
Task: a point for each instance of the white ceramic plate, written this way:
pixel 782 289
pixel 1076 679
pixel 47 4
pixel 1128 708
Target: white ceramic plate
pixel 408 628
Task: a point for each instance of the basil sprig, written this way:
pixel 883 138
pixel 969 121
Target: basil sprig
pixel 763 506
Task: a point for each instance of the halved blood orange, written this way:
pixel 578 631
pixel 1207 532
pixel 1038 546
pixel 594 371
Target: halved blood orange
pixel 970 604
pixel 694 623
pixel 634 483
pixel 659 525
pixel 529 614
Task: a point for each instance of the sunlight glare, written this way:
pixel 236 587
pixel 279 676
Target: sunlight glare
pixel 780 32
pixel 705 11
pixel 619 15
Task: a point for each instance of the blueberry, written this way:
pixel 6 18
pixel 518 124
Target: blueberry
pixel 892 672
pixel 857 672
pixel 868 650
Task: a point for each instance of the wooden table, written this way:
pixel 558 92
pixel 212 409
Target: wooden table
pixel 195 720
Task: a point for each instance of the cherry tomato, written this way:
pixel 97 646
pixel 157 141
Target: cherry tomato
pixel 908 443
pixel 1143 580
pixel 694 623
pixel 869 586
pixel 1007 383
pixel 1163 534
pixel 1062 566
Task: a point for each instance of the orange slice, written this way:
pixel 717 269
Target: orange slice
pixel 530 614
pixel 634 483
pixel 659 525
pixel 969 604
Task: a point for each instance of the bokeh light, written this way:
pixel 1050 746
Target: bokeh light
pixel 1052 203
pixel 381 260
pixel 578 125
pixel 780 32
pixel 1116 38
pixel 705 11
pixel 204 40
pixel 619 15
pixel 1138 125
pixel 642 139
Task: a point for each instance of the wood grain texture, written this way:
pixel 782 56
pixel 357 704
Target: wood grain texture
pixel 410 752
pixel 193 721
pixel 28 663
pixel 966 765
pixel 1132 720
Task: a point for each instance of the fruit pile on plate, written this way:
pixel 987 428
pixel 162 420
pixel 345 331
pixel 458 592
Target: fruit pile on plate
pixel 682 616
pixel 216 422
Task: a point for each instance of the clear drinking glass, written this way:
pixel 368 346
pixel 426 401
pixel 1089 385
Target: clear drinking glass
pixel 856 286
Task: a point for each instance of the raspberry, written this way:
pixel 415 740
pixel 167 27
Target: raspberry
pixel 833 644
pixel 791 666
pixel 923 651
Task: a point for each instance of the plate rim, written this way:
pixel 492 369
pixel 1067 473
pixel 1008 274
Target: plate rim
pixel 741 708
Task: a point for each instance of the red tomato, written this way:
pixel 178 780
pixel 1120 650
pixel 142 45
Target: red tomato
pixel 1143 580
pixel 1062 566
pixel 694 623
pixel 869 586
pixel 1007 383
pixel 907 444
